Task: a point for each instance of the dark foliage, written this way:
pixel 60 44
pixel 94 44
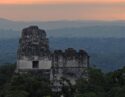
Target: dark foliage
pixel 98 84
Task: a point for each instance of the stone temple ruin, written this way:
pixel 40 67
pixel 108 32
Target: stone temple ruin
pixel 34 55
pixel 33 52
pixel 70 64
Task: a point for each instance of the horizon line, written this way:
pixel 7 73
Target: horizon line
pixel 65 20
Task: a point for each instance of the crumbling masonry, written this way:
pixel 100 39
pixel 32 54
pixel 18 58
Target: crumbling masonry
pixel 34 55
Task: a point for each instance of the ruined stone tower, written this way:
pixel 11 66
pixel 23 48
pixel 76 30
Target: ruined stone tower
pixel 33 52
pixel 34 55
pixel 71 65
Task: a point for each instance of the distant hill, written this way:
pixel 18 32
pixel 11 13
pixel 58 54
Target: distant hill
pixel 18 25
pixel 90 32
pixel 12 29
pixel 81 32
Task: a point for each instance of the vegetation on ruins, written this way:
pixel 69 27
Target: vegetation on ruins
pixel 99 84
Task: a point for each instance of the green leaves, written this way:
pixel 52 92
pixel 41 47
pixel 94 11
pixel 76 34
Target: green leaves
pixel 16 93
pixel 98 84
pixel 102 85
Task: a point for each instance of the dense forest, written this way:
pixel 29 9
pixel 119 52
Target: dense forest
pixel 98 84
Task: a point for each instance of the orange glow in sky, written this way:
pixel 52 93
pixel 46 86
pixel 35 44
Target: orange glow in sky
pixel 47 10
pixel 56 1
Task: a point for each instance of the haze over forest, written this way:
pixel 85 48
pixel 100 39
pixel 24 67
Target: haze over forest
pixel 104 41
pixel 94 29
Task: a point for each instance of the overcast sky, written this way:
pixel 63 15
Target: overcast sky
pixel 50 10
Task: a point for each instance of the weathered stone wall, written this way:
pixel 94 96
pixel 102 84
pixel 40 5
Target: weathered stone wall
pixel 33 42
pixel 34 54
pixel 33 46
pixel 27 64
pixel 70 64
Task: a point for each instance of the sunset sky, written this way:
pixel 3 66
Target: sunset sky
pixel 50 10
pixel 55 1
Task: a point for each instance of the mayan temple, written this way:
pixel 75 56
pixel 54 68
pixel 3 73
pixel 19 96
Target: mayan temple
pixel 33 52
pixel 34 55
pixel 70 65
